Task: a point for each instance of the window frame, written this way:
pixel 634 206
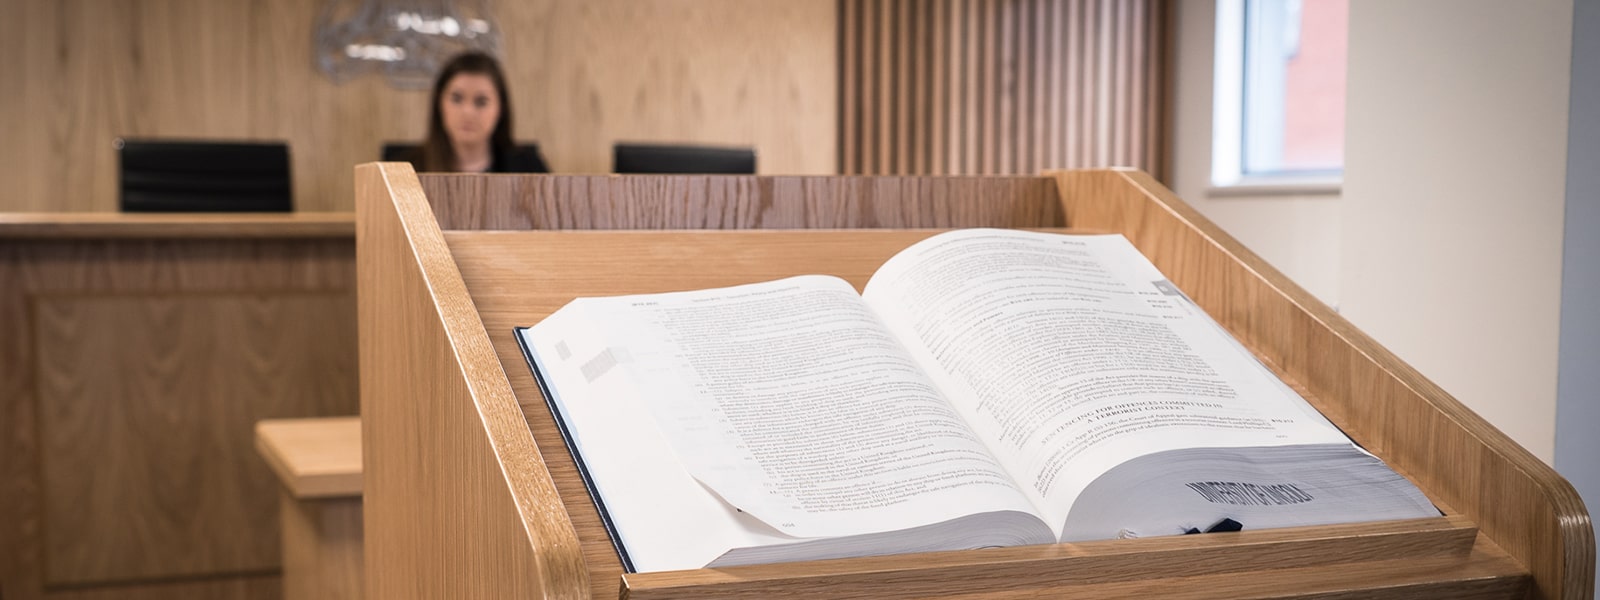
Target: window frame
pixel 1229 141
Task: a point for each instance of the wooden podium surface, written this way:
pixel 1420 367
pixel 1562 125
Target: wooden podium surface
pixel 470 492
pixel 313 458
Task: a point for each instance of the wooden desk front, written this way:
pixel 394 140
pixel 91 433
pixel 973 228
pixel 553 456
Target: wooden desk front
pixel 137 353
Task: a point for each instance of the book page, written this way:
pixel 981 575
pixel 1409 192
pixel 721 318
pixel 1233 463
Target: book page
pixel 790 402
pixel 660 515
pixel 1072 354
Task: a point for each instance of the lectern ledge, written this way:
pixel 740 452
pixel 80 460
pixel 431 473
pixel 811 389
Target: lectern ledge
pixel 470 493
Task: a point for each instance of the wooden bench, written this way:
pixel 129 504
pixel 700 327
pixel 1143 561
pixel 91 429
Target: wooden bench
pixel 319 463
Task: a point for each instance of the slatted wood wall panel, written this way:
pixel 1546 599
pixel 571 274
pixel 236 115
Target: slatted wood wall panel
pixel 1000 86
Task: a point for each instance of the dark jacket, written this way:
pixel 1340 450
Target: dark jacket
pixel 524 159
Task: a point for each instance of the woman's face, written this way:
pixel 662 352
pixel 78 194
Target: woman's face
pixel 470 108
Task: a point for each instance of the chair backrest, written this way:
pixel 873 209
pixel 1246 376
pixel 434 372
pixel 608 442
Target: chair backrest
pixel 401 152
pixel 204 176
pixel 527 160
pixel 666 158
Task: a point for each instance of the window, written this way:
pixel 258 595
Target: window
pixel 1280 91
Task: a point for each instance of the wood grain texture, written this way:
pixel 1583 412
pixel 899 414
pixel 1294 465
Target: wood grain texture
pixel 1455 456
pixel 1483 575
pixel 521 202
pixel 458 503
pixel 1095 568
pixel 80 282
pixel 149 471
pixel 730 72
pixel 583 75
pixel 88 225
pixel 1000 87
pixel 321 548
pixel 313 458
pixel 261 586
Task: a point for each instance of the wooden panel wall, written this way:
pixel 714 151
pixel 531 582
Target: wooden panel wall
pixel 583 75
pixel 742 72
pixel 1000 86
pixel 132 371
pixel 148 470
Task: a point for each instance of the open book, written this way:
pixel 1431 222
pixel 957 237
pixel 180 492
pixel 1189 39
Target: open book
pixel 988 388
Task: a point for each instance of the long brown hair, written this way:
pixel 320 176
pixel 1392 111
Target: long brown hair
pixel 437 153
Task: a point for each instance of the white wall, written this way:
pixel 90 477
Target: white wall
pixel 1578 385
pixel 1299 235
pixel 1455 171
pixel 1445 244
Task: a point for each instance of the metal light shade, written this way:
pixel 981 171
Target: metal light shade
pixel 405 40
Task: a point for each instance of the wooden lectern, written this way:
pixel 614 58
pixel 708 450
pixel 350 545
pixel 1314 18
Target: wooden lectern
pixel 471 494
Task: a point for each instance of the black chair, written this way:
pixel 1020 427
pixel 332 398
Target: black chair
pixel 527 160
pixel 664 158
pixel 401 152
pixel 204 176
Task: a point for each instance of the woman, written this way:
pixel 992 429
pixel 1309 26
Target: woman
pixel 469 129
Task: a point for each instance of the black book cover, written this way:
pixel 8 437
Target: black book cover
pixel 572 448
